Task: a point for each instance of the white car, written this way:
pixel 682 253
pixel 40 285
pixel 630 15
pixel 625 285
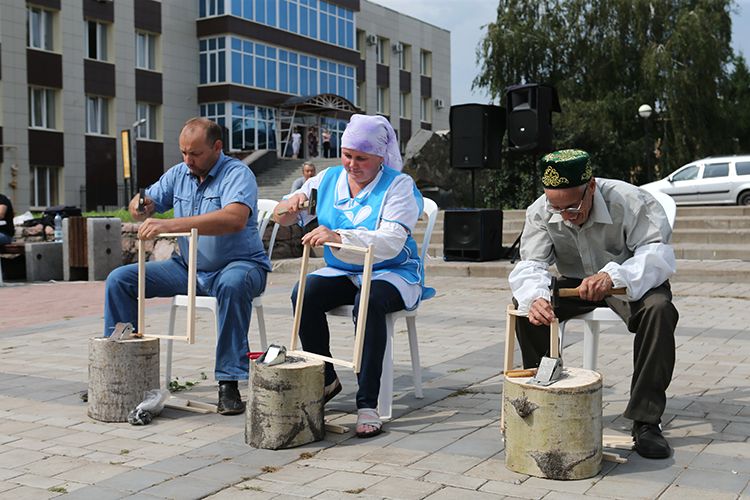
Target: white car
pixel 714 180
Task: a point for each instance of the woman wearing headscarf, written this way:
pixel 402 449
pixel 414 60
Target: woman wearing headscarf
pixel 366 200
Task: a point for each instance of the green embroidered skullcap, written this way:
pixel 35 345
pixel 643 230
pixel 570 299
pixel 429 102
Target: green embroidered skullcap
pixel 565 169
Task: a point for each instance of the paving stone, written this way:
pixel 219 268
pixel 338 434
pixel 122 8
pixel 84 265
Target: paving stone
pixel 627 488
pixel 185 487
pixel 393 455
pixel 396 471
pixel 14 458
pixel 407 489
pixel 675 492
pixel 342 481
pixel 26 493
pixel 261 486
pixel 724 481
pixel 134 480
pixel 92 473
pixel 495 469
pixel 296 473
pixel 514 490
pixel 338 465
pixel 234 493
pixel 451 493
pixel 444 462
pixel 95 493
pixel 457 480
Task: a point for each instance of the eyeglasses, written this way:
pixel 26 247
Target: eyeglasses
pixel 570 210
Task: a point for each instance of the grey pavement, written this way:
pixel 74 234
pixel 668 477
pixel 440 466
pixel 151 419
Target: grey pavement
pixel 445 446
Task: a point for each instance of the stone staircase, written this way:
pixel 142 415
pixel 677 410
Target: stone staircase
pixel 275 183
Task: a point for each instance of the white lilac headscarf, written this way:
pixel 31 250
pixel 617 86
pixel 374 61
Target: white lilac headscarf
pixel 373 135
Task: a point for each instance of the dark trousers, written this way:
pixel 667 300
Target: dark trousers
pixel 326 150
pixel 653 319
pixel 325 293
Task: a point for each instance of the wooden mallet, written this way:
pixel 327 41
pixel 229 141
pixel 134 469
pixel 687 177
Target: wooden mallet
pixel 573 292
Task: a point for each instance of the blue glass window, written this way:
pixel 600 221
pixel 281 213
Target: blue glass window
pixel 323 27
pixel 304 87
pixel 332 29
pixel 293 18
pixel 248 9
pixel 247 76
pixel 222 68
pixel 202 45
pixel 236 44
pixel 236 67
pixel 260 72
pixel 237 8
pixel 303 21
pixel 271 14
pixel 271 74
pixel 221 42
pixel 283 17
pixel 260 11
pixel 293 86
pixel 204 68
pixel 283 77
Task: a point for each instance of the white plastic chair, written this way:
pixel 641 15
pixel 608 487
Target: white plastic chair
pixel 385 398
pixel 592 320
pixel 265 211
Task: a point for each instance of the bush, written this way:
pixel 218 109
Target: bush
pixel 124 215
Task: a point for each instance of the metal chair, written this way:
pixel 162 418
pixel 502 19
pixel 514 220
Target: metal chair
pixel 592 320
pixel 385 398
pixel 265 211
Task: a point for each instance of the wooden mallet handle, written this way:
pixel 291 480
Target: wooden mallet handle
pixel 304 204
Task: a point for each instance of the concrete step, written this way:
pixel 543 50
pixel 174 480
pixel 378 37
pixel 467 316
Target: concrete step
pixel 691 271
pixel 712 222
pixel 276 183
pixel 716 237
pixel 713 211
pixel 697 251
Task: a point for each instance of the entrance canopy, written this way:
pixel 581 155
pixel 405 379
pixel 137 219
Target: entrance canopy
pixel 322 104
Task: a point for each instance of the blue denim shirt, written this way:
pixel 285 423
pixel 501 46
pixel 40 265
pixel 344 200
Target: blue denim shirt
pixel 229 181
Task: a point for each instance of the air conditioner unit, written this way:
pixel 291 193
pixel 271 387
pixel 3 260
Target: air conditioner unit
pixel 372 39
pixel 439 103
pixel 398 48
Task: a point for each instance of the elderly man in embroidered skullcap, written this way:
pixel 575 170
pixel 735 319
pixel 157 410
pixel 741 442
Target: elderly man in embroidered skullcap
pixel 365 201
pixel 601 234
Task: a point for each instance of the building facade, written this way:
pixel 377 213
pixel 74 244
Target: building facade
pixel 81 78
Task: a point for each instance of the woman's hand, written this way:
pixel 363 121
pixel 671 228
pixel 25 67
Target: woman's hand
pixel 291 209
pixel 320 235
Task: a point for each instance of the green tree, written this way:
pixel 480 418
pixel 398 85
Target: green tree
pixel 606 58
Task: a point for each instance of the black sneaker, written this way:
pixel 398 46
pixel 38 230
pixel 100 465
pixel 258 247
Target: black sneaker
pixel 649 441
pixel 230 401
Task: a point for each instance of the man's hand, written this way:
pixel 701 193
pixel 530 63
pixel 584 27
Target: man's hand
pixel 596 287
pixel 541 312
pixel 320 235
pixel 151 228
pixel 149 207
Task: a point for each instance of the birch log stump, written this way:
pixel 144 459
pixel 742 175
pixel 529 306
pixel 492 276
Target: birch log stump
pixel 554 432
pixel 120 372
pixel 286 404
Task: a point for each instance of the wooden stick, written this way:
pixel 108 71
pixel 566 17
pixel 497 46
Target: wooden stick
pixel 312 355
pixel 573 292
pixel 613 457
pixel 554 336
pixel 510 337
pixel 336 428
pixel 189 405
pixel 300 296
pixel 192 276
pixel 364 302
pixel 174 235
pixel 141 287
pixel 521 373
pixel 351 248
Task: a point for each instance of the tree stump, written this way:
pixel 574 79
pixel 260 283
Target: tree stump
pixel 554 432
pixel 286 404
pixel 120 372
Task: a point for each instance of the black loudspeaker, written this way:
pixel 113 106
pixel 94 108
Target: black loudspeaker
pixel 473 234
pixel 529 117
pixel 476 135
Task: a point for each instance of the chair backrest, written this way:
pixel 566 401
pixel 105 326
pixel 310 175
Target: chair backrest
pixel 667 202
pixel 431 211
pixel 265 211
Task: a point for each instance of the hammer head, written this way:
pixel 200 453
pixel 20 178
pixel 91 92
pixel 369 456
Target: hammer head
pixel 313 202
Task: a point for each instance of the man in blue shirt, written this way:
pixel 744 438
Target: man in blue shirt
pixel 217 195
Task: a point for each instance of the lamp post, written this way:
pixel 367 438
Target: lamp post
pixel 645 111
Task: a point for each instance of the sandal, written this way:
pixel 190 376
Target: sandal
pixel 369 416
pixel 331 390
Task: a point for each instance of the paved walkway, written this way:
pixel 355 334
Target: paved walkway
pixel 445 446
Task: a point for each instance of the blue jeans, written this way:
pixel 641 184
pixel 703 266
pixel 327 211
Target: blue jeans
pixel 325 293
pixel 234 287
pixel 5 239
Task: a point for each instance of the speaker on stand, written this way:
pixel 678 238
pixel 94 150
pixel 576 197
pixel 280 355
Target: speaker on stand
pixel 529 117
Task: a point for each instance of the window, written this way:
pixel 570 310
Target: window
pixel 361 95
pixel 381 50
pixel 148 129
pixel 41 107
pixel 716 170
pixel 145 50
pixel 742 167
pixel 686 173
pixel 425 63
pixel 44 186
pixel 425 112
pixel 382 101
pixel 208 8
pixel 213 60
pixel 404 56
pixel 96 40
pixel 404 105
pixel 40 28
pixel 97 115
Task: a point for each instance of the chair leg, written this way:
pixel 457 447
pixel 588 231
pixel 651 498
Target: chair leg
pixel 385 397
pixel 261 327
pixel 590 344
pixel 416 365
pixel 168 368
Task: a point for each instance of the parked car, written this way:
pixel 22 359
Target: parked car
pixel 713 180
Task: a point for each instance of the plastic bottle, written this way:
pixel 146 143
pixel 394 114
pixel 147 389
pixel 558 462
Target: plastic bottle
pixel 58 228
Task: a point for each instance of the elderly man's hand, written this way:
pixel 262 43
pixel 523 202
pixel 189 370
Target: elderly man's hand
pixel 151 228
pixel 320 235
pixel 596 287
pixel 541 312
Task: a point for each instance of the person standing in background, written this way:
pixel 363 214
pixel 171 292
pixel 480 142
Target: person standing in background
pixel 6 220
pixel 326 143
